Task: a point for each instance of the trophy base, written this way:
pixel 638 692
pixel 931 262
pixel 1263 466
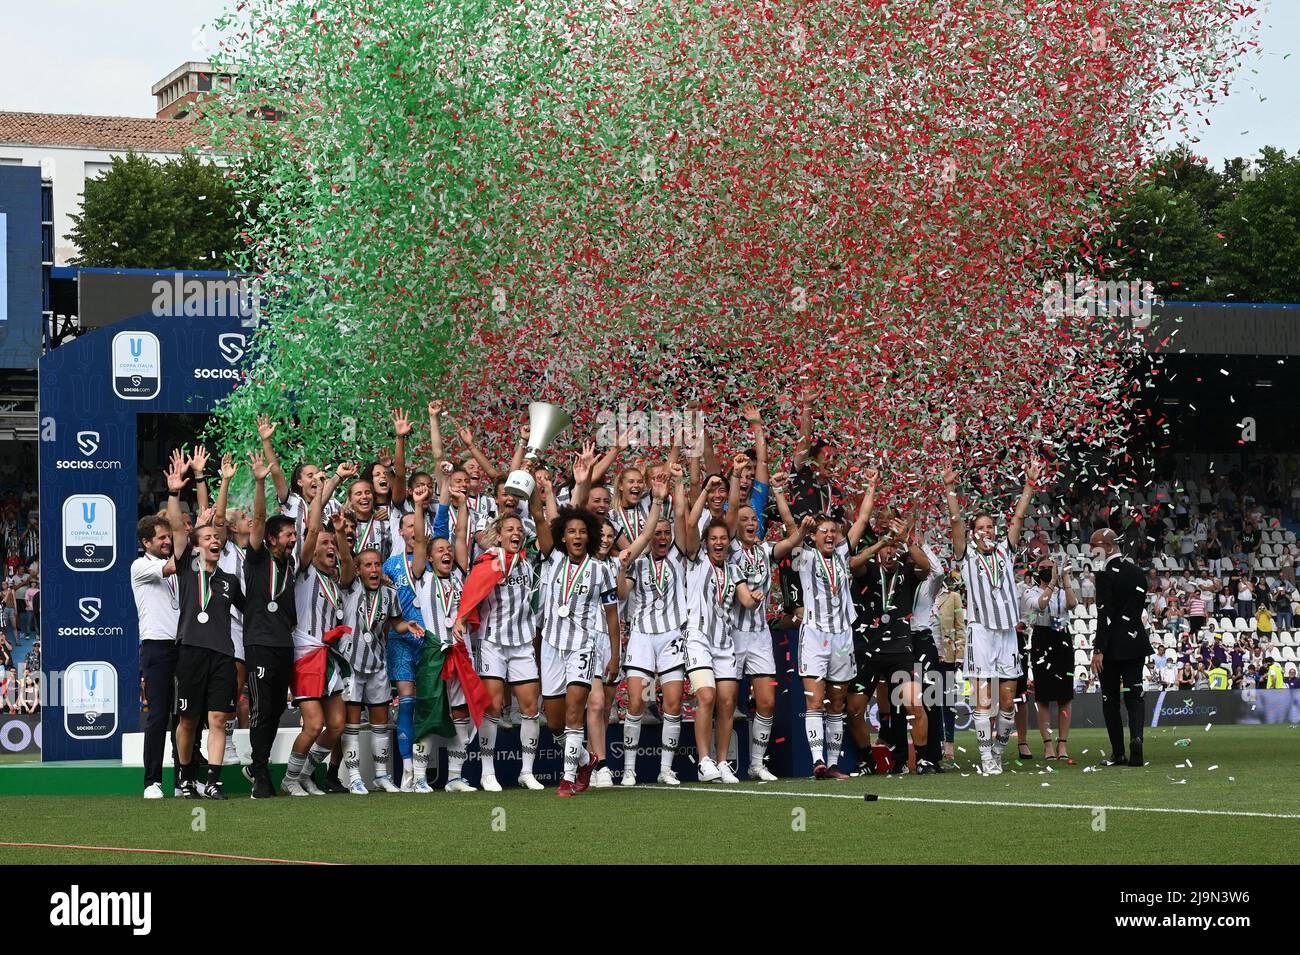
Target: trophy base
pixel 520 484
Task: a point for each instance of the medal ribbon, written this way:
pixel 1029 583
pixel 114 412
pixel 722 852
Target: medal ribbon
pixel 277 585
pixel 991 568
pixel 329 591
pixel 205 587
pixel 720 584
pixel 831 571
pixel 634 524
pixel 364 539
pixel 171 585
pixel 659 574
pixel 570 584
pixel 445 595
pixel 887 598
pixel 372 612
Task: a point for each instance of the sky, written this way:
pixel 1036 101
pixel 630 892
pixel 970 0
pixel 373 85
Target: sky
pixel 102 56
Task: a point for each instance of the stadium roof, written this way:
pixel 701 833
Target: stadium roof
pixel 98 132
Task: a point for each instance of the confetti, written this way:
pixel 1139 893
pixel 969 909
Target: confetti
pixel 662 205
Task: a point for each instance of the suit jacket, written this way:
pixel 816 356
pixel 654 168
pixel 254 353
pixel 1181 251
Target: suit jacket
pixel 1121 598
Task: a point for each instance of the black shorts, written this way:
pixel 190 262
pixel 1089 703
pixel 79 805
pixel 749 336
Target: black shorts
pixel 205 683
pixel 891 666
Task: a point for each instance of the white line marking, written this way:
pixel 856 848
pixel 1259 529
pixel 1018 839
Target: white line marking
pixel 729 791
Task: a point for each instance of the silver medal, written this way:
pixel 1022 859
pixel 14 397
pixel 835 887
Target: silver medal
pixel 203 616
pixel 659 603
pixel 339 613
pixel 884 618
pixel 272 606
pixel 562 610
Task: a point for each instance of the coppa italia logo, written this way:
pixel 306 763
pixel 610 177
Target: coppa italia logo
pixel 232 347
pixel 88 443
pixel 89 532
pixel 137 366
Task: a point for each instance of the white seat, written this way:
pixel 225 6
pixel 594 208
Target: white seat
pixel 1226 625
pixel 1229 640
pixel 1092 611
pixel 1081 658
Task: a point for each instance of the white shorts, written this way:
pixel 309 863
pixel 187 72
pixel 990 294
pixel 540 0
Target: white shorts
pixel 702 655
pixel 514 665
pixel 991 654
pixel 563 667
pixel 826 656
pixel 656 654
pixel 754 655
pixel 237 638
pixel 371 689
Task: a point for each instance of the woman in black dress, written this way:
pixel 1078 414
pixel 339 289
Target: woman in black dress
pixel 1050 601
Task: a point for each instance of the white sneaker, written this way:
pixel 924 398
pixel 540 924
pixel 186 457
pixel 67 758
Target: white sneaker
pixel 309 786
pixel 232 755
pixel 629 779
pixel 459 786
pixel 602 778
pixel 489 784
pixel 292 787
pixel 526 780
pixel 408 782
pixel 422 786
pixel 668 778
pixel 153 791
pixel 385 782
pixel 708 771
pixel 762 773
pixel 991 767
pixel 725 773
pixel 358 787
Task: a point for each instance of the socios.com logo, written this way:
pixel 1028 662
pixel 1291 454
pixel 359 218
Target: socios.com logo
pixel 88 443
pixel 137 366
pixel 232 346
pixel 89 532
pixel 89 608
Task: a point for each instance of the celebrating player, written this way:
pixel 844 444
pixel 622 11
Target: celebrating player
pixel 988 570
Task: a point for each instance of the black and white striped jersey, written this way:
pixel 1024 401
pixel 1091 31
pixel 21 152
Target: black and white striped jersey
pixel 991 597
pixel 573 601
pixel 826 585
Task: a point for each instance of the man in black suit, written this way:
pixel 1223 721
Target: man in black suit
pixel 1121 646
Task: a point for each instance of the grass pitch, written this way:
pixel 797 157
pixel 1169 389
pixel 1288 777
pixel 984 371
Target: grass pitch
pixel 1233 795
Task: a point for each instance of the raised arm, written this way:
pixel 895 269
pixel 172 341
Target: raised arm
pixel 864 509
pixel 583 465
pixel 490 470
pixel 176 482
pixel 691 531
pixel 805 428
pixel 435 431
pixel 733 493
pixel 347 566
pixel 602 467
pixel 266 431
pixel 537 509
pixel 198 466
pixel 311 532
pixel 794 538
pixel 958 523
pixel 419 542
pixel 783 505
pixel 521 447
pixel 228 471
pixel 1033 472
pixel 1071 601
pixel 907 533
pixel 257 534
pixel 460 546
pixel 709 457
pixel 755 419
pixel 658 491
pixel 402 429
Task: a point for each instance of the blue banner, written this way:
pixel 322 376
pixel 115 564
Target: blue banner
pixel 20 266
pixel 91 391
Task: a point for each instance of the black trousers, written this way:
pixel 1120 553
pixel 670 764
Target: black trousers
pixel 932 676
pixel 270 671
pixel 158 667
pixel 1121 689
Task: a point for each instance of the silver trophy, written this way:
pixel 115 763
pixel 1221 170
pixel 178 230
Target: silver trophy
pixel 545 422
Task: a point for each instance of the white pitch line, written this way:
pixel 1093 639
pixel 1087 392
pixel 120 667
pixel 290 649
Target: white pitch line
pixel 729 791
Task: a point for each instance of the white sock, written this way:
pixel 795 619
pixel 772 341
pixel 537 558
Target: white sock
pixel 631 740
pixel 459 748
pixel 572 749
pixel 421 750
pixel 834 738
pixel 379 742
pixel 315 756
pixel 812 721
pixel 351 753
pixel 530 731
pixel 984 734
pixel 232 754
pixel 1006 723
pixel 672 731
pixel 487 745
pixel 296 763
pixel 760 733
pixel 585 756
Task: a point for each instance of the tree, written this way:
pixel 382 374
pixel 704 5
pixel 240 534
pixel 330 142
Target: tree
pixel 1260 259
pixel 1163 239
pixel 143 214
